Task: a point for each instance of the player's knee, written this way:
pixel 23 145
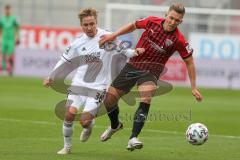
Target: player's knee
pixel 71 112
pixel 110 101
pixel 85 123
pixel 86 119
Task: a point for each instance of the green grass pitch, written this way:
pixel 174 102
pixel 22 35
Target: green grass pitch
pixel 29 129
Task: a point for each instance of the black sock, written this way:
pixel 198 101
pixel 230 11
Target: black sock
pixel 139 119
pixel 113 116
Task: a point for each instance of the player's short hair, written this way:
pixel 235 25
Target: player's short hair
pixel 87 12
pixel 7 6
pixel 178 7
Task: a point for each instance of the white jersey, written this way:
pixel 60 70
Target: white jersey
pixel 97 71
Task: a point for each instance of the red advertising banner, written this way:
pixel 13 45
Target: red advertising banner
pixel 41 37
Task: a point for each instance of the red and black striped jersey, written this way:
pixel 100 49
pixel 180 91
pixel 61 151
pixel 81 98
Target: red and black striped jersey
pixel 159 45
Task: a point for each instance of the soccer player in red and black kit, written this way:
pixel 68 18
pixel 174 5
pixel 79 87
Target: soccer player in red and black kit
pixel 160 39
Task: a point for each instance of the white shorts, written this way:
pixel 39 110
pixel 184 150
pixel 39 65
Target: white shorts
pixel 90 101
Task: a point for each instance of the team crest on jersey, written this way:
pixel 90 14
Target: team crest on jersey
pixel 168 42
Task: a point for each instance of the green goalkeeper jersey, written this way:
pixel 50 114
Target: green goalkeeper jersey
pixel 8 26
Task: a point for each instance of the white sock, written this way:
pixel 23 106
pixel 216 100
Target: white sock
pixel 67 134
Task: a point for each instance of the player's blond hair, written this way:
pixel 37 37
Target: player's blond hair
pixel 178 7
pixel 87 12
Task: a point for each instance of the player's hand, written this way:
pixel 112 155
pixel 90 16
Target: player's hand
pixel 197 95
pixel 139 51
pixel 106 38
pixel 47 82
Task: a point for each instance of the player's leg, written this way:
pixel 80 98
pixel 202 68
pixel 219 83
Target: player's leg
pixel 111 104
pixel 146 87
pixel 115 126
pixel 111 99
pixel 10 58
pixel 10 64
pixel 146 91
pixel 3 60
pixel 67 130
pixel 87 125
pixel 113 116
pixel 73 104
pixel 124 82
pixel 113 95
pixel 5 64
pixel 87 120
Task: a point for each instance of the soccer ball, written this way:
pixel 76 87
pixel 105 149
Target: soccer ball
pixel 197 134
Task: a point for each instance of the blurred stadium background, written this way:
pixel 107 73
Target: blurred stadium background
pixel 27 120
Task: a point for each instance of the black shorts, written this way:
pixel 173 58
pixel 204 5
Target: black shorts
pixel 129 76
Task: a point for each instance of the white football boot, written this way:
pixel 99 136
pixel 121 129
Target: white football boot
pixel 133 144
pixel 109 132
pixel 86 132
pixel 65 150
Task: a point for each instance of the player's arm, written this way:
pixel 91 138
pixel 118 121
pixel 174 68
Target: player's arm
pixel 123 30
pixel 47 82
pixel 17 30
pixel 133 52
pixel 186 51
pixel 65 58
pixel 119 46
pixel 192 76
pixel 139 24
pixel 17 35
pixel 0 28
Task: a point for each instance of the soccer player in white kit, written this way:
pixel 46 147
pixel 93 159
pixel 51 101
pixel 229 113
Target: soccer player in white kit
pixel 86 48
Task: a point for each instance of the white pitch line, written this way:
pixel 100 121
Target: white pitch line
pixel 100 126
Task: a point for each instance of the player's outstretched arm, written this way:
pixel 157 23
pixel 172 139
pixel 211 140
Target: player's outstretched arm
pixel 47 82
pixel 132 52
pixel 192 76
pixel 123 30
